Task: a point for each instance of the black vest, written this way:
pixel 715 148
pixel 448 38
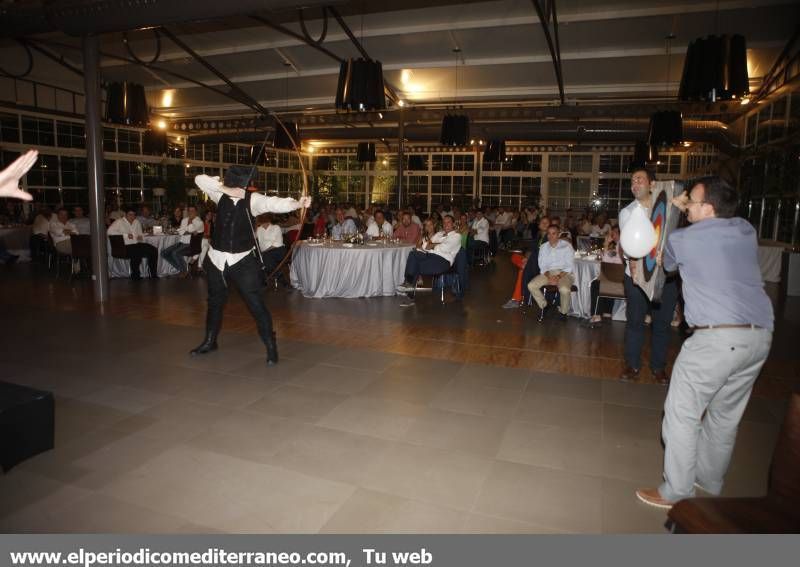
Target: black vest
pixel 233 231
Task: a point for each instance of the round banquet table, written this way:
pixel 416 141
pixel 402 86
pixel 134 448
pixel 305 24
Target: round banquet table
pixel 118 268
pixel 17 241
pixel 587 270
pixel 335 270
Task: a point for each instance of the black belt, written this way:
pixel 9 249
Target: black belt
pixel 708 327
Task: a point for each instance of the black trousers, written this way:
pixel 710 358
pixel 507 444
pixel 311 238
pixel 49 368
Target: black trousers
pixel 249 279
pixel 137 252
pixel 424 264
pixel 273 257
pixel 637 307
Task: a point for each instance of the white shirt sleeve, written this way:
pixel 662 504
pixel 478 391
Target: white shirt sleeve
pixel 260 204
pixel 184 229
pixel 211 186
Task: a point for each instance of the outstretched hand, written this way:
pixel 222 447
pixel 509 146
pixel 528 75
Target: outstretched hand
pixel 305 202
pixel 681 201
pixel 10 176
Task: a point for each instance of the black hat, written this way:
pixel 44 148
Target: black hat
pixel 237 176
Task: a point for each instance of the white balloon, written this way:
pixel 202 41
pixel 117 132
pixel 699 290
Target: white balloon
pixel 637 236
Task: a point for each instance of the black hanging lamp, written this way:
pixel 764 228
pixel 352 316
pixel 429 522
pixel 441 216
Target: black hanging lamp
pixel 366 152
pixel 126 104
pixel 666 128
pixel 360 85
pixel 286 140
pixel 455 127
pixel 495 151
pixel 644 155
pixel 715 69
pixel 455 130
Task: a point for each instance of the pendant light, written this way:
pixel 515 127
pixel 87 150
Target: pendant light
pixel 495 151
pixel 715 69
pixel 455 127
pixel 126 104
pixel 360 85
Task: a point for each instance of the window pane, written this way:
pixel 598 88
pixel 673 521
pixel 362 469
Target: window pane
pixel 37 132
pixel 73 172
pixel 581 163
pixel 71 135
pixel 9 128
pixel 463 162
pixel 109 140
pixel 129 141
pixel 558 163
pixel 442 162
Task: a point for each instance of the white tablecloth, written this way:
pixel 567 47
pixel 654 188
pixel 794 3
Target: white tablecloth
pixel 581 304
pixel 331 270
pixel 17 240
pixel 769 260
pixel 118 268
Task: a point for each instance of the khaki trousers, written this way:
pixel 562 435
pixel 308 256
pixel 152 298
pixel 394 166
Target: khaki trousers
pixel 564 290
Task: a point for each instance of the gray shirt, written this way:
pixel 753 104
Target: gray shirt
pixel 718 263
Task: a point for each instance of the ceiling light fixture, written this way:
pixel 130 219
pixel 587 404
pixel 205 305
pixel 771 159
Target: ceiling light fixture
pixel 360 85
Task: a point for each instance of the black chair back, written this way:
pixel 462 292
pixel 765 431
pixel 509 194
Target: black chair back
pixel 118 249
pixel 81 246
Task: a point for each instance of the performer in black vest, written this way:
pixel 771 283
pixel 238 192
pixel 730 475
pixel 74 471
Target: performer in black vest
pixel 232 255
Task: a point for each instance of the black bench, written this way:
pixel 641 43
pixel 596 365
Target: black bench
pixel 27 423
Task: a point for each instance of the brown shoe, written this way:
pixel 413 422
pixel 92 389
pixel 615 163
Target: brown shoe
pixel 651 497
pixel 630 374
pixel 660 376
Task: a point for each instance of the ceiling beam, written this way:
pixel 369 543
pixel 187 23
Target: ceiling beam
pixel 478 62
pixel 294 39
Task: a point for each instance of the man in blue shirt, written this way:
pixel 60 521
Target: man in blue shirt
pixel 732 318
pixel 344 225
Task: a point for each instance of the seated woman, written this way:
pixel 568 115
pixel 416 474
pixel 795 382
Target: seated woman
pixel 611 255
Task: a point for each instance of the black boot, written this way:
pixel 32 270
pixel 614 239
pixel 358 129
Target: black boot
pixel 208 344
pixel 272 350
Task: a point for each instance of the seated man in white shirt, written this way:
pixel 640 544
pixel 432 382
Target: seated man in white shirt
pixel 270 243
pixel 131 231
pixel 176 254
pixel 433 256
pixel 556 262
pixel 39 232
pixel 480 233
pixel 60 230
pixel 343 226
pixel 502 224
pixel 80 220
pixel 379 227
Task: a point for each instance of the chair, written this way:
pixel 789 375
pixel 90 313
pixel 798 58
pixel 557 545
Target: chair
pixel 611 283
pixel 479 253
pixel 307 231
pixel 81 250
pixel 551 296
pixel 118 248
pixel 777 512
pixel 194 250
pixel 455 276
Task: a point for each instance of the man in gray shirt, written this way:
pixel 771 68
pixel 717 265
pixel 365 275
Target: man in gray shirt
pixel 732 320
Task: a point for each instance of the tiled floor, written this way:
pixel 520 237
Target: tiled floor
pixel 333 439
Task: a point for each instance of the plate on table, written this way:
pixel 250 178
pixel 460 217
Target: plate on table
pixel 372 243
pixel 347 245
